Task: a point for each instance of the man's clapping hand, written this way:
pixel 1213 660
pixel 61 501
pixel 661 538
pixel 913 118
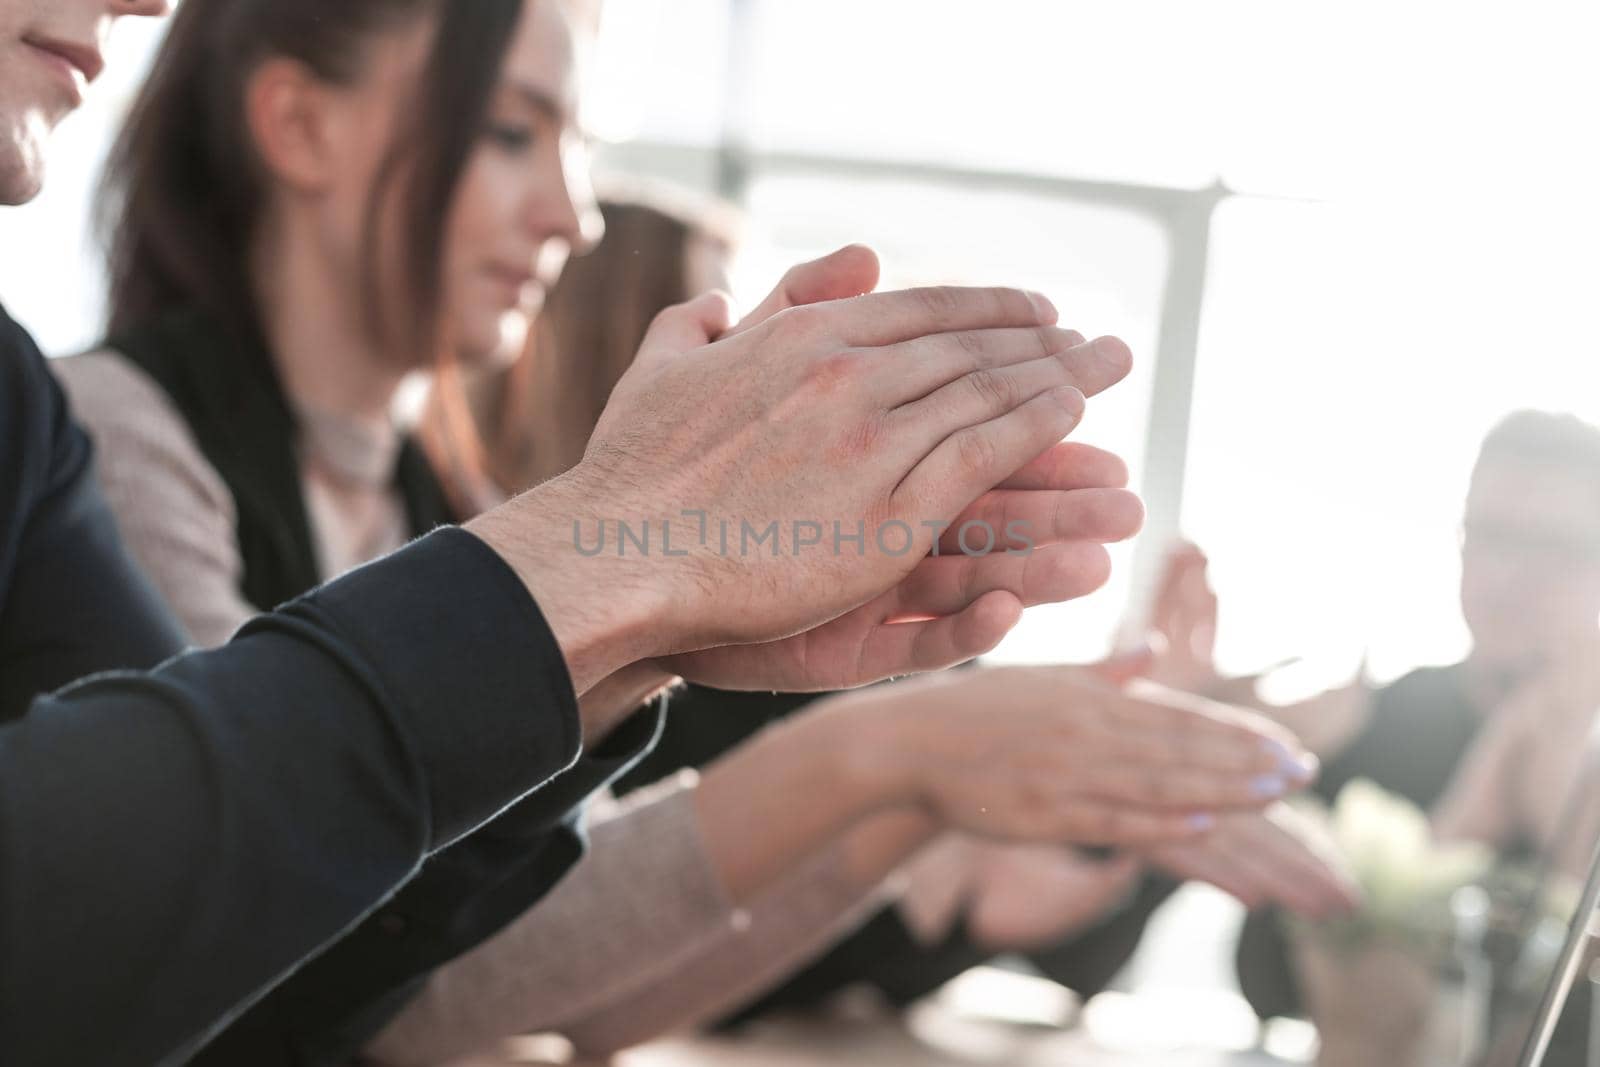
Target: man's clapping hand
pixel 893 412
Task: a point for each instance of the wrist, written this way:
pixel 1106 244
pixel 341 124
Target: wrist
pixel 874 749
pixel 883 843
pixel 619 696
pixel 606 613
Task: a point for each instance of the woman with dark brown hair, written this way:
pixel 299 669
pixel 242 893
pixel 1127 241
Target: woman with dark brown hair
pixel 663 251
pixel 531 421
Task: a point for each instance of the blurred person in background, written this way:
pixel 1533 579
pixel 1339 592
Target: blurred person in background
pixel 493 431
pixel 962 901
pixel 248 462
pixel 1495 747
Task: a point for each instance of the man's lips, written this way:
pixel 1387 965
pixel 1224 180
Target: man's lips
pixel 82 60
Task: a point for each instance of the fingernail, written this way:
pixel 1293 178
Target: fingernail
pixel 1202 823
pixel 1295 766
pixel 1269 785
pixel 1305 767
pixel 1069 398
pixel 1043 306
pixel 1113 350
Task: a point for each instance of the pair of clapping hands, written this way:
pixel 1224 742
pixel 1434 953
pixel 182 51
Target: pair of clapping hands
pixel 916 413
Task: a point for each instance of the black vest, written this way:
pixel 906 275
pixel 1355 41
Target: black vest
pixel 224 385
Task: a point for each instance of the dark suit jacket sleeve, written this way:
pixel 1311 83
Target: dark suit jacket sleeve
pixel 72 601
pixel 174 843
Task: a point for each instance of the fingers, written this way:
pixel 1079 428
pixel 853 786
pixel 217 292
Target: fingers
pixel 1208 861
pixel 851 271
pixel 913 369
pixel 1216 859
pixel 1123 667
pixel 990 392
pixel 1294 879
pixel 1182 730
pixel 1310 857
pixel 1097 823
pixel 881 319
pixel 945 585
pixel 1037 897
pixel 987 414
pixel 1195 603
pixel 1183 788
pixel 1169 588
pixel 1261 863
pixel 1020 520
pixel 970 461
pixel 1218 750
pixel 1270 767
pixel 894 649
pixel 1070 465
pixel 684 327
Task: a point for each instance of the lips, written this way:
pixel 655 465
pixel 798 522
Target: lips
pixel 85 58
pixel 75 64
pixel 513 277
pixel 514 284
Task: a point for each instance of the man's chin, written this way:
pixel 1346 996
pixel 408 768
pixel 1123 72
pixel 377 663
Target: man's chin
pixel 15 195
pixel 21 170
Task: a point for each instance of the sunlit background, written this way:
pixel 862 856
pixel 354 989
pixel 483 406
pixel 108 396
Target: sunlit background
pixel 1343 239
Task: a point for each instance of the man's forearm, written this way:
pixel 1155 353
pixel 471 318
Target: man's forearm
pixel 217 793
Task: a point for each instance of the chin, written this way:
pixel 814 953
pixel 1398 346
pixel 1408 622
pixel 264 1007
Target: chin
pixel 21 174
pixel 498 342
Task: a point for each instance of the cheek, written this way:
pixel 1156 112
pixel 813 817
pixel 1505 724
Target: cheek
pixel 1477 585
pixel 467 238
pixel 484 212
pixel 486 205
pixel 1581 596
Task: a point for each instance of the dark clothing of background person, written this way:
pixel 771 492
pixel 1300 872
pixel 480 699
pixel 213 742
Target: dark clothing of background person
pixel 1419 732
pixel 883 953
pixel 1420 729
pixel 228 392
pixel 174 843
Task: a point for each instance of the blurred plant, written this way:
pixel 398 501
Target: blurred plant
pixel 1407 877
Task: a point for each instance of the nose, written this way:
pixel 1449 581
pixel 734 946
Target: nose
pixel 591 227
pixel 572 212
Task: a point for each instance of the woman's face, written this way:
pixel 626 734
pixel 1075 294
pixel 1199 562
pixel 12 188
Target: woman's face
pixel 525 202
pixel 1530 562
